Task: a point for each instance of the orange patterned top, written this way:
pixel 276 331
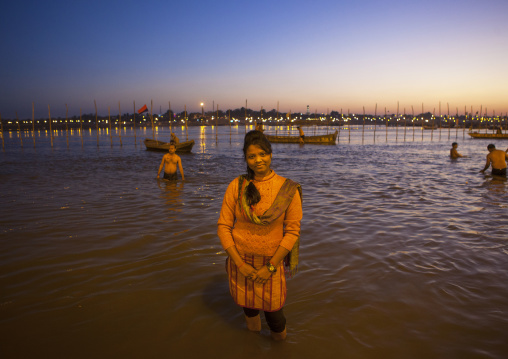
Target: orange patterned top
pixel 249 238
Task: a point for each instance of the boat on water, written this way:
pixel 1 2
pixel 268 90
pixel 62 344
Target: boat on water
pixel 164 146
pixel 499 136
pixel 329 139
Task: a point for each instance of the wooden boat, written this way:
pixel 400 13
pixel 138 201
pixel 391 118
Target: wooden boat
pixel 329 139
pixel 164 146
pixel 499 136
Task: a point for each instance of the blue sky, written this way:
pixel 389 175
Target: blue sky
pixel 325 54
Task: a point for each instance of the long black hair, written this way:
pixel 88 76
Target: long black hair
pixel 259 139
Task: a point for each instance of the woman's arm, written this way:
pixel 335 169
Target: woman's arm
pixel 227 218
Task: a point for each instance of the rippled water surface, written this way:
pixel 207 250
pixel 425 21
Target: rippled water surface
pixel 403 251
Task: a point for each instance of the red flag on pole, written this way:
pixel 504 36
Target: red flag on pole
pixel 143 109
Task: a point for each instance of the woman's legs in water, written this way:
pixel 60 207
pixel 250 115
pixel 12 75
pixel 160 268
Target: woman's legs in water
pixel 252 319
pixel 275 320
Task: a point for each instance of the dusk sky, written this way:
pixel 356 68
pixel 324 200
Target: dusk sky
pixel 330 55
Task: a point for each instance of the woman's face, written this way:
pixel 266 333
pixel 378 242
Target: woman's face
pixel 258 160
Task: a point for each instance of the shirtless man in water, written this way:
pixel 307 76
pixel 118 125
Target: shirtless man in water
pixel 498 160
pixel 169 162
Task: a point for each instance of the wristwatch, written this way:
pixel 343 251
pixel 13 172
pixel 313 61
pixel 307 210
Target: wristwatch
pixel 271 267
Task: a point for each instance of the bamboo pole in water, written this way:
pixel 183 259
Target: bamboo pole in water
pixel 470 118
pixel 2 132
pixel 341 120
pixel 486 120
pixel 363 127
pixel 50 129
pixel 440 120
pixel 81 127
pixel 481 118
pixel 457 124
pixel 289 122
pixel 19 129
pixel 186 131
pixel 386 125
pixel 433 124
pixel 33 122
pixel 229 118
pixel 315 123
pixel 448 122
pixel 397 124
pixel 96 122
pixel 120 124
pixel 422 121
pixel 375 122
pixel 349 124
pixel 170 117
pixel 151 119
pixel 134 122
pixel 405 124
pixel 328 119
pixel 277 119
pixel 67 124
pixel 413 119
pixel 110 127
pixel 217 125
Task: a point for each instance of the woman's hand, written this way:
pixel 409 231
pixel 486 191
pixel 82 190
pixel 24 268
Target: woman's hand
pixel 262 275
pixel 248 271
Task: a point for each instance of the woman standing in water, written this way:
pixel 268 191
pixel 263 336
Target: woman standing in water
pixel 259 228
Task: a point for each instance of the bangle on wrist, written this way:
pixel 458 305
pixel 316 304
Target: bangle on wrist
pixel 240 265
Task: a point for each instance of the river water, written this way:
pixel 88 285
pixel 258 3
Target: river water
pixel 403 251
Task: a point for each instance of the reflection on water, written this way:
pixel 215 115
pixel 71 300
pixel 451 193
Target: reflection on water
pixel 404 252
pixel 170 192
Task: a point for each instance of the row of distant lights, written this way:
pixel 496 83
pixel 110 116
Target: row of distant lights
pixel 251 119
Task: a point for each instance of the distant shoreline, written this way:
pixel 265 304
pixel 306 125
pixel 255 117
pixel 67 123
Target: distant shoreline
pixel 90 121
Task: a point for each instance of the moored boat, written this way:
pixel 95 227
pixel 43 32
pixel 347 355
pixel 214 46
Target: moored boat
pixel 164 146
pixel 499 136
pixel 329 139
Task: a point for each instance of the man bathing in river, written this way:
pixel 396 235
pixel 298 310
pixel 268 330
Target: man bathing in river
pixel 453 151
pixel 169 162
pixel 498 160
